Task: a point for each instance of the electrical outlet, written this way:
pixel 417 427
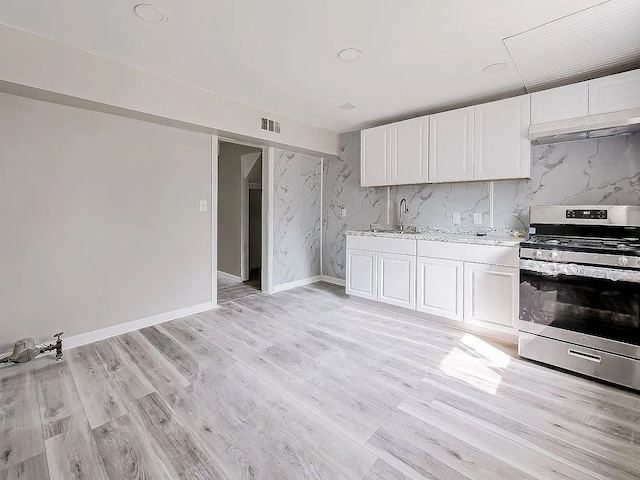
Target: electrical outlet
pixel 477 219
pixel 456 218
pixel 343 212
pixel 203 205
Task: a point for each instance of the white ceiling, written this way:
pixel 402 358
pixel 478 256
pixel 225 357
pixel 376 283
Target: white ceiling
pixel 280 55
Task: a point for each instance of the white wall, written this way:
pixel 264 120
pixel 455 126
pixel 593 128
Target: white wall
pixel 230 206
pixel 38 67
pixel 99 219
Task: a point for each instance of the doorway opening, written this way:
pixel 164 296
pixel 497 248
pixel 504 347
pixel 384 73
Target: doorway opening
pixel 240 221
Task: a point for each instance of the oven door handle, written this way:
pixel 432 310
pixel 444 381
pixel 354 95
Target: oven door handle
pixel 585 356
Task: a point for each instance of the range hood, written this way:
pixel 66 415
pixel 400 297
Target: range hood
pixel 593 126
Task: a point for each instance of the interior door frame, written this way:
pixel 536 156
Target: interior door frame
pixel 268 154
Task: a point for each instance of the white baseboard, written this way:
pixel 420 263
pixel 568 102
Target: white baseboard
pixel 94 336
pixel 228 276
pixel 297 283
pixel 334 280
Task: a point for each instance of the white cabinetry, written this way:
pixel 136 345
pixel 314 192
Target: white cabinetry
pixel 395 154
pixel 451 146
pixel 614 93
pixel 562 103
pixel 491 295
pixel 440 284
pixel 362 278
pixel 409 151
pixel 474 284
pixel 375 156
pixel 397 279
pixel 502 145
pixel 382 269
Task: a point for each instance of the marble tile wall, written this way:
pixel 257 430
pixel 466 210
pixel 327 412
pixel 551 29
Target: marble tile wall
pixel 296 217
pixel 603 171
pixel 341 189
pixel 599 171
pixel 434 205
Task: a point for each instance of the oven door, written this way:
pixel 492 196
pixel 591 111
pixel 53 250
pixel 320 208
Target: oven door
pixel 594 306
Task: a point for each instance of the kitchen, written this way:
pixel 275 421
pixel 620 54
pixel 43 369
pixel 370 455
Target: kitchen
pixel 449 257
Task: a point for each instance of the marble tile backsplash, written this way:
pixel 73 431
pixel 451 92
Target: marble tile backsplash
pixel 434 205
pixel 602 171
pixel 341 189
pixel 296 217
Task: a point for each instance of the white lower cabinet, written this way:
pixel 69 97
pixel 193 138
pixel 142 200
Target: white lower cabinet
pixel 491 295
pixel 475 284
pixel 397 279
pixel 440 287
pixel 362 278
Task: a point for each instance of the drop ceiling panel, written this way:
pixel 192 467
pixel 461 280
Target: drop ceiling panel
pixel 598 41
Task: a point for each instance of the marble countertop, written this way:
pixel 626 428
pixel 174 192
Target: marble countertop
pixel 438 236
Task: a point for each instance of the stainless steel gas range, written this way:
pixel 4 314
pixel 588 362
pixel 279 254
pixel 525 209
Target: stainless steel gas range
pixel 580 291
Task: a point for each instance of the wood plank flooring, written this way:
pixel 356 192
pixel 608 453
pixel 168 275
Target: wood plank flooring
pixel 304 384
pixel 229 290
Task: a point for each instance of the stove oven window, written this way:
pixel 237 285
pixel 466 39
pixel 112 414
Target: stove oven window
pixel 596 307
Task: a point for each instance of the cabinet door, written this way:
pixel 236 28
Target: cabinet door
pixel 491 296
pixel 502 145
pixel 409 151
pixel 614 93
pixel 361 274
pixel 440 284
pixel 374 157
pixel 562 103
pixel 451 146
pixel 397 279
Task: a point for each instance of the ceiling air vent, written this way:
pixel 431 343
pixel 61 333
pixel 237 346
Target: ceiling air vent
pixel 270 125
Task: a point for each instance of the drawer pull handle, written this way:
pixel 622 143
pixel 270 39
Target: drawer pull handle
pixel 585 356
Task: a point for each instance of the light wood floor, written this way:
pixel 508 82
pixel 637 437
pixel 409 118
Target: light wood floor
pixel 305 384
pixel 231 290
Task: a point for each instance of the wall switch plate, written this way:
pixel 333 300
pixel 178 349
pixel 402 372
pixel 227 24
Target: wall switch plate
pixel 203 205
pixel 456 218
pixel 477 219
pixel 343 212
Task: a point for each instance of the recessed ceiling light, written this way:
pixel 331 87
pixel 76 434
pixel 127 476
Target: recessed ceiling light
pixel 495 67
pixel 150 13
pixel 349 54
pixel 347 106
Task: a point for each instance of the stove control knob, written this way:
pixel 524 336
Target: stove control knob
pixel 538 253
pixel 553 255
pixel 623 261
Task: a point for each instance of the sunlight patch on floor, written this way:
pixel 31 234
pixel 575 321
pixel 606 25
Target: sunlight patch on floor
pixel 476 363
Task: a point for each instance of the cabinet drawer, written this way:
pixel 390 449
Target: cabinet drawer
pixel 468 252
pixel 403 246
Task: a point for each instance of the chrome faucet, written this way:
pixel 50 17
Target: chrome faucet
pixel 404 210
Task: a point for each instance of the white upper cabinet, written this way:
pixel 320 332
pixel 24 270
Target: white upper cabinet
pixel 562 103
pixel 502 145
pixel 395 154
pixel 451 146
pixel 375 156
pixel 409 151
pixel 614 93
